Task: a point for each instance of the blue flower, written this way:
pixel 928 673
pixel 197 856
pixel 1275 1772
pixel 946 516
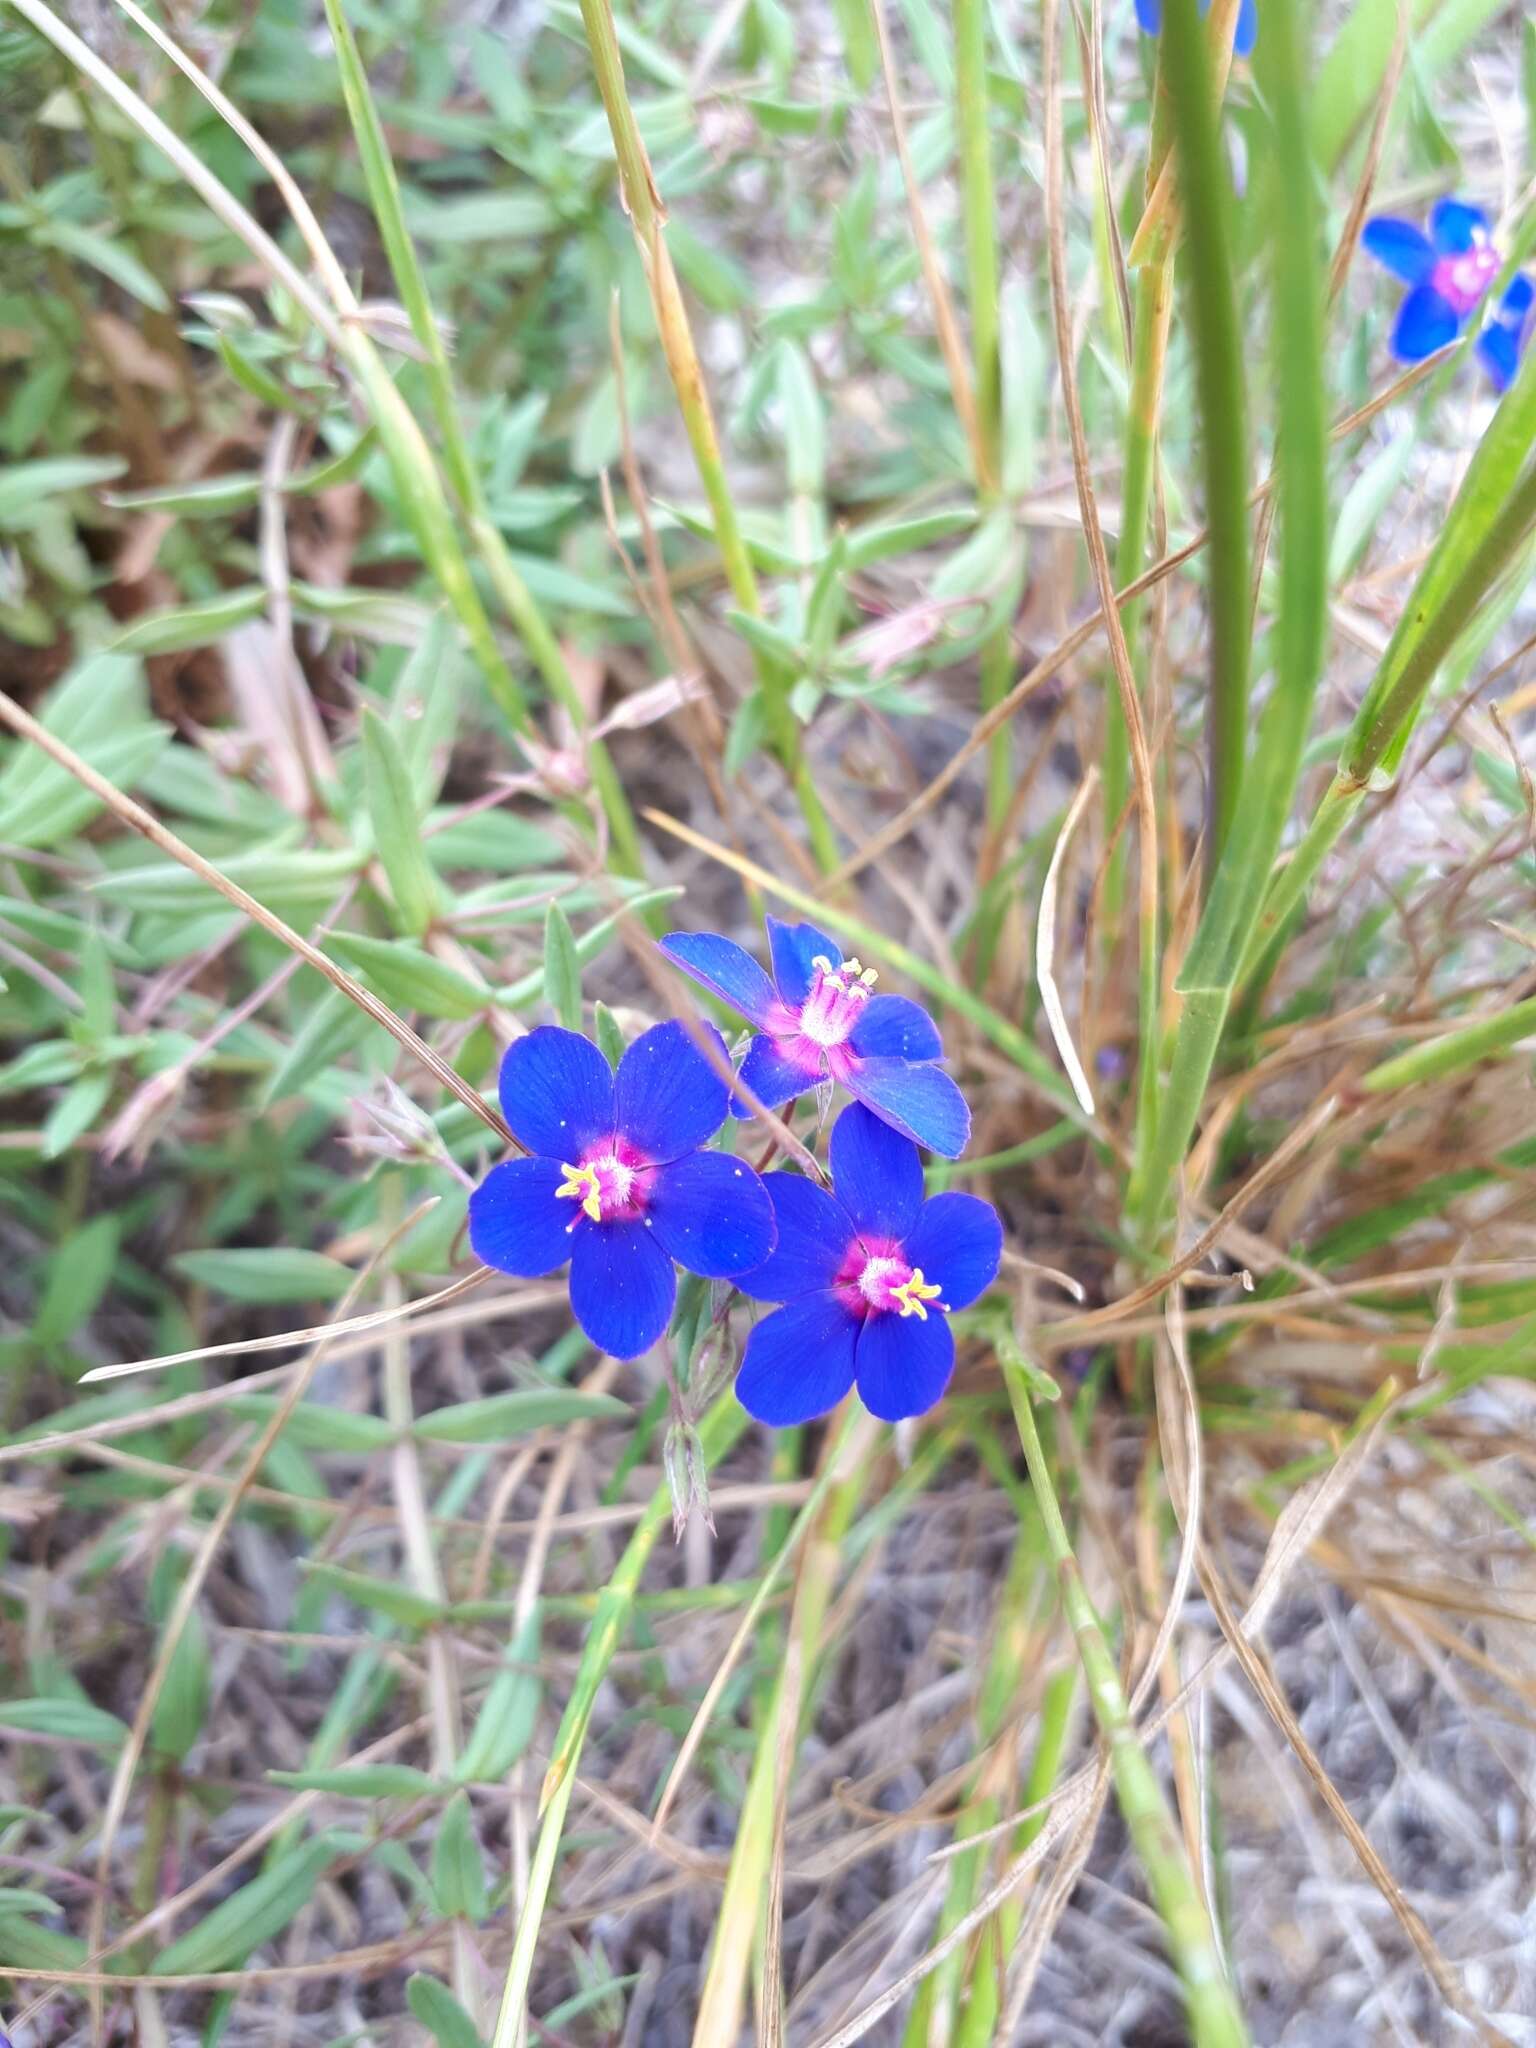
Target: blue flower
pixel 819 1020
pixel 1149 13
pixel 868 1275
pixel 615 1181
pixel 1502 342
pixel 1448 271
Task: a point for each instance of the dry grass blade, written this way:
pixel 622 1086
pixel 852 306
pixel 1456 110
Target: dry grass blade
pixel 348 1326
pixel 1045 945
pixel 1257 1671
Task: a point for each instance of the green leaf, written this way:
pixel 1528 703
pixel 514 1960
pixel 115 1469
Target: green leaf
pixel 458 1874
pixel 500 1416
pixel 410 978
pixel 382 1596
pixel 332 1025
pixel 441 2013
pixel 114 259
pixel 397 826
pixel 266 1273
pixel 224 1937
pixel 191 625
pixel 509 1713
pixel 179 1711
pixel 66 1718
pixel 101 710
pixel 805 433
pixel 24 484
pixel 605 1030
pixel 315 1427
pixel 362 1781
pixel 77 1279
pixel 74 1112
pixel 562 968
pixel 309 879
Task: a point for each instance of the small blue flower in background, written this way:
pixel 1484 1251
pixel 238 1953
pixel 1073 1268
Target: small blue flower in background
pixel 1149 14
pixel 616 1182
pixel 1449 271
pixel 868 1275
pixel 819 1020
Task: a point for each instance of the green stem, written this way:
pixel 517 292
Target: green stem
pixel 647 216
pixel 1149 353
pixel 1215 2018
pixel 1216 330
pixel 979 213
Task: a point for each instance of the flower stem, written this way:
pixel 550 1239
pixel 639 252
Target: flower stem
pixel 1215 2018
pixel 979 212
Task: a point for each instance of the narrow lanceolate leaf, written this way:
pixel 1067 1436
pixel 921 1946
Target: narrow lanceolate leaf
pixel 500 1416
pixel 410 978
pixel 458 1874
pixel 1456 1051
pixel 191 625
pixel 183 1701
pixel 397 827
pixel 266 1273
pixel 382 1596
pixel 562 968
pixel 361 1781
pixel 256 1912
pixel 441 2014
pixel 509 1713
pixel 65 1720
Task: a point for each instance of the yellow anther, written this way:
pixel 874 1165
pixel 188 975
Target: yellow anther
pixel 913 1292
pixel 851 967
pixel 869 977
pixel 581 1184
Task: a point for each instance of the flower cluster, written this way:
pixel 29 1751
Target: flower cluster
pixel 1448 272
pixel 617 1182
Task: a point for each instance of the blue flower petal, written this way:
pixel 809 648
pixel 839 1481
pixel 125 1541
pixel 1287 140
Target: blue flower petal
pixel 1425 323
pixel 921 1102
pixel 557 1093
pixel 712 1214
pixel 814 1237
pixel 723 966
pixel 795 947
pixel 958 1242
pixel 1519 297
pixel 773 1076
pixel 876 1173
pixel 1247 32
pixel 622 1287
pixel 893 1027
pixel 1149 16
pixel 798 1361
pixel 903 1364
pixel 1498 349
pixel 668 1099
pixel 1455 227
pixel 517 1223
pixel 1399 246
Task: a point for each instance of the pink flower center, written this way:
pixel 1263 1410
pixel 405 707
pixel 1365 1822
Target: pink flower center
pixel 837 995
pixel 880 1281
pixel 1462 280
pixel 611 1185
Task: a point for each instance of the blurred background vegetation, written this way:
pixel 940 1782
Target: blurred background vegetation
pixel 489 502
